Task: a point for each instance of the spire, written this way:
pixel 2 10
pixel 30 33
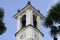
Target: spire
pixel 29 3
pixel 18 10
pixel 38 10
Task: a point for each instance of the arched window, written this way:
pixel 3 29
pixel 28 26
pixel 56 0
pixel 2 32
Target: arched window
pixel 23 21
pixel 34 21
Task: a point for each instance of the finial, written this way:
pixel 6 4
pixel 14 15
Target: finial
pixel 38 10
pixel 18 10
pixel 29 3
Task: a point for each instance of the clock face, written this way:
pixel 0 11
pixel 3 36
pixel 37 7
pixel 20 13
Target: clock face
pixel 36 36
pixel 22 36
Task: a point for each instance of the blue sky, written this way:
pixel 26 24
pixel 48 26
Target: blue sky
pixel 11 7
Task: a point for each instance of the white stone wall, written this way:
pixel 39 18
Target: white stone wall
pixel 19 24
pixel 29 34
pixel 29 31
pixel 38 22
pixel 29 17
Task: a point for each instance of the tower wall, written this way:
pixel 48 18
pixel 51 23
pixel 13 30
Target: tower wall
pixel 28 24
pixel 29 34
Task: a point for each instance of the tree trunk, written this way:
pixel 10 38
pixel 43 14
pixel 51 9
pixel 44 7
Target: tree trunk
pixel 55 38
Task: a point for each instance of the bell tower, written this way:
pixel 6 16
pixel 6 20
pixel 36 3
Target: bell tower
pixel 28 23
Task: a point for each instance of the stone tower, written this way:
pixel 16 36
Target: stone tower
pixel 28 23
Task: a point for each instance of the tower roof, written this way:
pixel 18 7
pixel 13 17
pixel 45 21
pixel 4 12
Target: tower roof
pixel 29 3
pixel 26 7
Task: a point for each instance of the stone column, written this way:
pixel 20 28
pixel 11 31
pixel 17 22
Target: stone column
pixel 18 24
pixel 38 22
pixel 29 17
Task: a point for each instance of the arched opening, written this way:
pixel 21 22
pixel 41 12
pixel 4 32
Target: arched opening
pixel 34 21
pixel 23 21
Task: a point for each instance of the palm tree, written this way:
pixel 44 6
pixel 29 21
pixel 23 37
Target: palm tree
pixel 2 25
pixel 52 18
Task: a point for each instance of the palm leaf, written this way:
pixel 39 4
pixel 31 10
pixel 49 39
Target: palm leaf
pixel 48 22
pixel 54 13
pixel 2 27
pixel 54 31
pixel 1 13
pixel 59 29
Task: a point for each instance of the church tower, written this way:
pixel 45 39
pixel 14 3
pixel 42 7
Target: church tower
pixel 28 23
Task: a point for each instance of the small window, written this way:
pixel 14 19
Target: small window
pixel 23 21
pixel 34 21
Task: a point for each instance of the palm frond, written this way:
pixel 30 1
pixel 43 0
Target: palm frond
pixel 53 17
pixel 48 22
pixel 2 27
pixel 59 29
pixel 1 13
pixel 54 12
pixel 54 31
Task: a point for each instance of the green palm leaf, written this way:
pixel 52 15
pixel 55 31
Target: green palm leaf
pixel 2 25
